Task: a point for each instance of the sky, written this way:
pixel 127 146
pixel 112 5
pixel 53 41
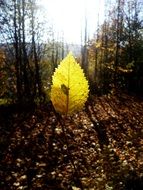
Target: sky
pixel 68 16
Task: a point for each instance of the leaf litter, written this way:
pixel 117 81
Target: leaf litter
pixel 102 150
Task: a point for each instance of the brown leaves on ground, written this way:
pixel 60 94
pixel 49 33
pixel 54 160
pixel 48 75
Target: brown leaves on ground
pixel 101 149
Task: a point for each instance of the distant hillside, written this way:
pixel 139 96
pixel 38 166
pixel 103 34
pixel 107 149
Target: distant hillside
pixel 75 48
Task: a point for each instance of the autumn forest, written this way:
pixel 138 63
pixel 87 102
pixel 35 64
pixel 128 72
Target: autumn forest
pixel 71 115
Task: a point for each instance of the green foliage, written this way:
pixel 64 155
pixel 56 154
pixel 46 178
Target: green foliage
pixel 3 101
pixel 130 65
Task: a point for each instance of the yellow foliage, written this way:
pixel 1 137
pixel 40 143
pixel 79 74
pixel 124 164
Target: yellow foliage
pixel 70 88
pixel 2 56
pixel 98 44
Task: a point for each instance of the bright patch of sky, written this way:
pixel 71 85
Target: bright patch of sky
pixel 68 16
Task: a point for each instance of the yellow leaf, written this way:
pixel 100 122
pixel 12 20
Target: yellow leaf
pixel 70 89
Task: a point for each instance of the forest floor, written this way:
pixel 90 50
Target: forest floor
pixel 101 147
